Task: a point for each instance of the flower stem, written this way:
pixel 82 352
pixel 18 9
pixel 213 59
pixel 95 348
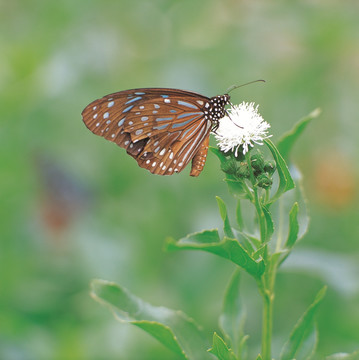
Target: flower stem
pixel 267 292
pixel 260 213
pixel 267 324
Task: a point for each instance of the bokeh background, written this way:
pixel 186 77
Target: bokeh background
pixel 74 207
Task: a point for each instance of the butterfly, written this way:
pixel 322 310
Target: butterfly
pixel 162 129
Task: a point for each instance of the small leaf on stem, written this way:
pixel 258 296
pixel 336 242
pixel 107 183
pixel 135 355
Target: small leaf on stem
pixel 224 215
pixel 220 349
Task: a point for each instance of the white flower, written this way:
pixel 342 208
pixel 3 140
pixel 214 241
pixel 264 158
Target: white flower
pixel 244 127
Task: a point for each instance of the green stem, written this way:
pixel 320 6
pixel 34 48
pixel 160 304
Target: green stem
pixel 267 326
pixel 261 218
pixel 267 292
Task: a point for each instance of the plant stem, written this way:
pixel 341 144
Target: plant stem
pixel 267 325
pixel 261 218
pixel 267 292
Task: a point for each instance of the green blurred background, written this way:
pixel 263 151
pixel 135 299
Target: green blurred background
pixel 74 207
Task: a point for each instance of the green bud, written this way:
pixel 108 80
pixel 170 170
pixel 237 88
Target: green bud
pixel 229 167
pixel 269 167
pixel 264 181
pixel 242 170
pixel 257 162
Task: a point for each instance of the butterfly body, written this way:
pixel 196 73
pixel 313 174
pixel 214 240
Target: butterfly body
pixel 162 129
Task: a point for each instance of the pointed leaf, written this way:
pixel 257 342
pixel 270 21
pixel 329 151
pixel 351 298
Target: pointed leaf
pixel 227 248
pixel 233 316
pixel 221 350
pixel 293 226
pixel 222 158
pixel 239 215
pixel 259 357
pixel 303 334
pixel 237 188
pixel 174 329
pixel 285 180
pixel 224 215
pixel 269 223
pixel 285 144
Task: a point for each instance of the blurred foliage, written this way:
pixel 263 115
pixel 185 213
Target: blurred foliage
pixel 74 207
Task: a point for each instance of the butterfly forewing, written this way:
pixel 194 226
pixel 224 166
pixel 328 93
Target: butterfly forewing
pixel 163 129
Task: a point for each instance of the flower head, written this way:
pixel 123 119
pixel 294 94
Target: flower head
pixel 243 127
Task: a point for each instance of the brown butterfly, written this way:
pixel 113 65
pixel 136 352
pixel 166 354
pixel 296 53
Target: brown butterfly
pixel 162 129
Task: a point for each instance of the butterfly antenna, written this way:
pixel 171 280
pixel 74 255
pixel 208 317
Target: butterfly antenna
pixel 233 87
pixel 227 113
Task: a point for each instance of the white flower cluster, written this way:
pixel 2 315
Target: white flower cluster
pixel 243 127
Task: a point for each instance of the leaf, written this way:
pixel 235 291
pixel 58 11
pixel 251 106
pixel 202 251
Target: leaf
pixel 174 329
pixel 269 223
pixel 236 188
pixel 221 350
pixel 227 248
pixel 344 356
pixel 239 215
pixel 233 316
pixel 222 158
pixel 304 332
pixel 224 215
pixel 293 226
pixel 285 144
pixel 285 180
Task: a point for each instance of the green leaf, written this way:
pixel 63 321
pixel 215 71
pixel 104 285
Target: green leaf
pixel 224 215
pixel 259 357
pixel 285 180
pixel 233 316
pixel 344 356
pixel 227 248
pixel 174 329
pixel 293 226
pixel 269 223
pixel 237 188
pixel 285 144
pixel 304 332
pixel 239 215
pixel 221 350
pixel 222 158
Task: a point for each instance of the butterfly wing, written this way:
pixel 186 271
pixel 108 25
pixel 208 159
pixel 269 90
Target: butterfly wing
pixel 163 129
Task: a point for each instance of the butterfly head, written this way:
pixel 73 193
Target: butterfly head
pixel 215 108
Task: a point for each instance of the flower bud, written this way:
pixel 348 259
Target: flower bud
pixel 229 167
pixel 269 167
pixel 243 171
pixel 264 181
pixel 257 162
